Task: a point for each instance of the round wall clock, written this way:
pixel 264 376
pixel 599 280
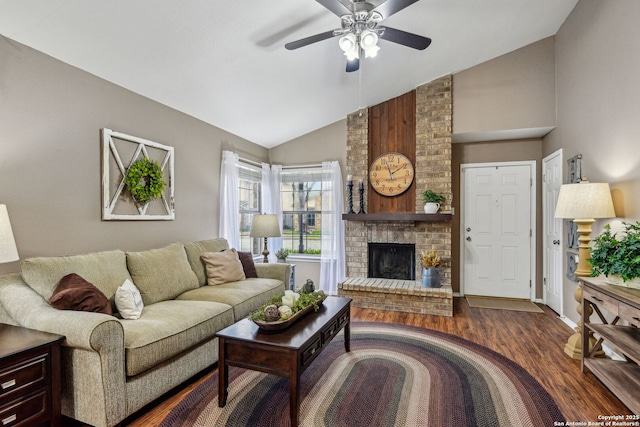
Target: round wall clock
pixel 391 174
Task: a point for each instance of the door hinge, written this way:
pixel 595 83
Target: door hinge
pixel 530 182
pixel 530 232
pixel 529 283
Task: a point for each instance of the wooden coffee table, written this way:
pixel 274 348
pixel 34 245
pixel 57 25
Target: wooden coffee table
pixel 286 353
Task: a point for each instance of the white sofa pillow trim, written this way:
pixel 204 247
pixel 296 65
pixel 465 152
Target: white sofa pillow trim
pixel 129 301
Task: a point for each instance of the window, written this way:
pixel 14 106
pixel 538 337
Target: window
pixel 250 183
pixel 301 199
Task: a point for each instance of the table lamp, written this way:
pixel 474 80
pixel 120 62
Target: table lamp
pixel 8 250
pixel 265 226
pixel 583 202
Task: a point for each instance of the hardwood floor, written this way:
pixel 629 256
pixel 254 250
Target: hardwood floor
pixel 535 341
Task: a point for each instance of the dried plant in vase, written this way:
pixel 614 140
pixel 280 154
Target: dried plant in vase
pixel 430 270
pixel 430 259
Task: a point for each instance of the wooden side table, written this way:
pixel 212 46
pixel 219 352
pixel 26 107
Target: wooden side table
pixel 29 377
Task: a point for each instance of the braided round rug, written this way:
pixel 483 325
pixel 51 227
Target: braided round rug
pixel 395 375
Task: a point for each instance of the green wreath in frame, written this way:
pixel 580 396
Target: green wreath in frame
pixel 145 180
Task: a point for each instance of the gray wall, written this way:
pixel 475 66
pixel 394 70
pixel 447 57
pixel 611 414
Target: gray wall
pixel 323 145
pixel 513 91
pixel 50 120
pixel 598 104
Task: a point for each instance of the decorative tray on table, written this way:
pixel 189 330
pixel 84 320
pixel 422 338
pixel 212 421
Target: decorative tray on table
pixel 304 304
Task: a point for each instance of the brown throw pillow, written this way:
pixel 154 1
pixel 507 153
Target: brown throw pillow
pixel 247 265
pixel 75 293
pixel 223 267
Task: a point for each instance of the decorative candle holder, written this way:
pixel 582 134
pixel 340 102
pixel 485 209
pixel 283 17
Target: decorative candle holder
pixel 361 191
pixel 350 196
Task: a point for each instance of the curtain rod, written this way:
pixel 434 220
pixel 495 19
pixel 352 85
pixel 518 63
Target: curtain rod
pixel 317 165
pixel 253 162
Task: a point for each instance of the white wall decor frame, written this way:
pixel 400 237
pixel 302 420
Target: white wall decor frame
pixel 116 204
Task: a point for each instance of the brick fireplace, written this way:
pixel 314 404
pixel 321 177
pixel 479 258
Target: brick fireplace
pixel 433 124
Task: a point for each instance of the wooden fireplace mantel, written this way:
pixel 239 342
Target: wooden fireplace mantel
pixel 399 216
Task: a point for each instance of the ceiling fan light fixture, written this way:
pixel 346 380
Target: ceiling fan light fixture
pixel 369 43
pixel 349 46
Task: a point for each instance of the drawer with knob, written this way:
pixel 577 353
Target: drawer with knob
pixel 30 378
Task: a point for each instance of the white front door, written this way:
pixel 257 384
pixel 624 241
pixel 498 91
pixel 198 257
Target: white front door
pixel 552 238
pixel 497 232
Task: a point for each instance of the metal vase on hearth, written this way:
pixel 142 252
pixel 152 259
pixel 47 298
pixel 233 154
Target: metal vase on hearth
pixel 431 277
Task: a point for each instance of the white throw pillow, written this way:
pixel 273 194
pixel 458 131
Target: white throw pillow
pixel 129 301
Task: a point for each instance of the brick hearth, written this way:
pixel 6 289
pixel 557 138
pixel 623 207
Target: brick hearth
pixel 397 295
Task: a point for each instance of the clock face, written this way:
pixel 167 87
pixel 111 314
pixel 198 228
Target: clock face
pixel 391 174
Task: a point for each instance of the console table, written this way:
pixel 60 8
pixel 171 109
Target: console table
pixel 621 377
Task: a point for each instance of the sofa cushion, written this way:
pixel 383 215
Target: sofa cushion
pixel 168 328
pixel 161 274
pixel 75 293
pixel 249 267
pixel 129 301
pixel 195 249
pixel 244 296
pixel 223 267
pixel 105 270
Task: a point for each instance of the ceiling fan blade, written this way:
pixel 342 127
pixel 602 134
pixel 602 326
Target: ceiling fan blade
pixel 309 40
pixel 353 65
pixel 407 39
pixel 390 7
pixel 335 6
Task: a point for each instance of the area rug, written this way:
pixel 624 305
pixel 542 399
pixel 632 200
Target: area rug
pixel 394 375
pixel 503 304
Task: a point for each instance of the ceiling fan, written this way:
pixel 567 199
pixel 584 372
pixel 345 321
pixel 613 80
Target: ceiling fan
pixel 361 29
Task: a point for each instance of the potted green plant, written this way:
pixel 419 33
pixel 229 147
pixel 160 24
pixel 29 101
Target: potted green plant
pixel 432 201
pixel 617 255
pixel 282 255
pixel 430 269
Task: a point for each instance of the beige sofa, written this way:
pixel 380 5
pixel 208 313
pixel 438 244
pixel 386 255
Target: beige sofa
pixel 113 367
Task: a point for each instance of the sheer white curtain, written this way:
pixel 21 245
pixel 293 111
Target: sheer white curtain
pixel 229 199
pixel 271 203
pixel 332 259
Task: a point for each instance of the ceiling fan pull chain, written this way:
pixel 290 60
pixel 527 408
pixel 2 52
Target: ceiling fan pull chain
pixel 360 91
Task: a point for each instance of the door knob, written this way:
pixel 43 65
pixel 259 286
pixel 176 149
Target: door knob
pixel 469 238
pixel 556 242
pixel 468 228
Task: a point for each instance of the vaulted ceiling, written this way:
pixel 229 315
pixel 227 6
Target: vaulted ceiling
pixel 225 62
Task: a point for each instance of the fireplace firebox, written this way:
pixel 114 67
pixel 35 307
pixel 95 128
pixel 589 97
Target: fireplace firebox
pixel 392 261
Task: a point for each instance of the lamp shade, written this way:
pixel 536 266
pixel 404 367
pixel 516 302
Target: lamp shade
pixel 8 250
pixel 265 226
pixel 585 200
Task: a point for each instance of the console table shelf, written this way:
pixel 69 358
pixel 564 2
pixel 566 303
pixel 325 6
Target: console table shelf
pixel 621 377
